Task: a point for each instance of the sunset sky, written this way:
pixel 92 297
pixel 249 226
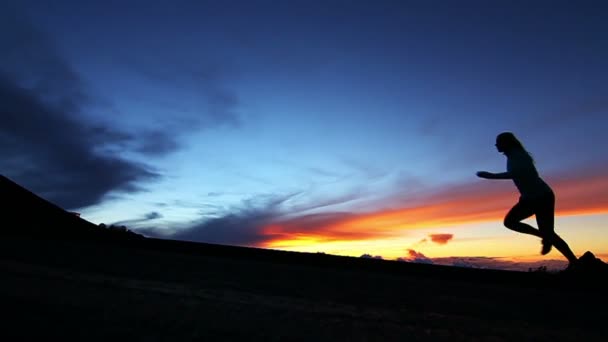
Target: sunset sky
pixel 343 127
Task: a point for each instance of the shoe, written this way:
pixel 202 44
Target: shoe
pixel 546 247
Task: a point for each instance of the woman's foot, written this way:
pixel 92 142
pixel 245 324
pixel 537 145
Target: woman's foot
pixel 546 247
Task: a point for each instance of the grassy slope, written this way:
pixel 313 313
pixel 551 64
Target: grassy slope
pixel 163 290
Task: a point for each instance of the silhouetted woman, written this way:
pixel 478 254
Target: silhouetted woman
pixel 537 198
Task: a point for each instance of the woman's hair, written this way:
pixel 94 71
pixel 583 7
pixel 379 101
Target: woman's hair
pixel 510 142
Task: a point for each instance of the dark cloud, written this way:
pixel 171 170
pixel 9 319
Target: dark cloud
pixel 55 156
pixel 261 220
pixel 149 143
pixel 152 215
pixel 463 263
pixel 156 142
pixel 216 103
pixel 244 229
pixel 256 222
pixel 441 239
pixel 138 221
pixel 45 143
pixel 31 60
pixel 243 226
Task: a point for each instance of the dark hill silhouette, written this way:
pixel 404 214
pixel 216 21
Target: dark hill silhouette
pixel 24 213
pixel 27 215
pixel 587 267
pixel 63 276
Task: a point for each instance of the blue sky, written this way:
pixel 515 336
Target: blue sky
pixel 168 115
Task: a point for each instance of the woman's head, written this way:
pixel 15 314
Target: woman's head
pixel 506 142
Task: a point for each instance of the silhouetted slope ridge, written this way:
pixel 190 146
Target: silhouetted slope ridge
pixel 27 214
pixel 588 265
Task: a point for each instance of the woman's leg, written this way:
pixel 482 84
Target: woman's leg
pixel 519 212
pixel 545 218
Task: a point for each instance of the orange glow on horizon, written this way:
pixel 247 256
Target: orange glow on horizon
pixel 457 206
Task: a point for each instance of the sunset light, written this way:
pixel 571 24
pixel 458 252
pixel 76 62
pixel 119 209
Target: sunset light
pixel 349 127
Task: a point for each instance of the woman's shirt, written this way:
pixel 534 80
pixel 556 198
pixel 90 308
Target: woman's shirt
pixel 525 176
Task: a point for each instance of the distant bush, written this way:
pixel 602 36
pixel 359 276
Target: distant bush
pixel 540 269
pixel 369 256
pixel 122 229
pixel 119 230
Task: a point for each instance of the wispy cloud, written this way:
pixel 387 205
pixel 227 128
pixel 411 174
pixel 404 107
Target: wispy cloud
pixel 242 225
pixel 273 221
pixel 206 100
pixel 415 256
pixel 460 204
pixel 151 216
pixel 581 192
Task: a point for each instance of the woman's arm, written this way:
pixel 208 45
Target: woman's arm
pixel 490 175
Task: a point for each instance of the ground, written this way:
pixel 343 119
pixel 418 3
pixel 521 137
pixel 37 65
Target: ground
pixel 100 291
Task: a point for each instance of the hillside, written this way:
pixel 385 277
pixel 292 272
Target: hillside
pixel 27 214
pixel 91 287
